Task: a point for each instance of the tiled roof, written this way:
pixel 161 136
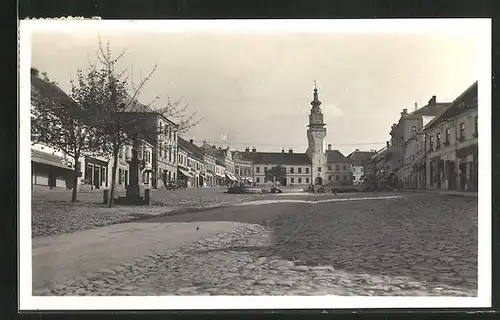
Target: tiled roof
pixel 220 163
pixel 276 158
pixel 191 148
pixel 358 158
pixel 463 103
pixel 335 156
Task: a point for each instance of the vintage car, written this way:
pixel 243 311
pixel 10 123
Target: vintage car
pixel 243 188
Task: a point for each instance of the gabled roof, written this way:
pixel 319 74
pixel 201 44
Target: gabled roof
pixel 463 103
pixel 432 109
pixel 278 158
pixel 335 156
pixel 358 158
pixel 191 148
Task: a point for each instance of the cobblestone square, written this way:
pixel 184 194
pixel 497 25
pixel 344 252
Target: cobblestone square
pixel 407 245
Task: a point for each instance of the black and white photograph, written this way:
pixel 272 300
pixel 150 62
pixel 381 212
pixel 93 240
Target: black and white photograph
pixel 255 164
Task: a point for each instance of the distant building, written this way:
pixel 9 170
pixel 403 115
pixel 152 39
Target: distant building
pixel 243 169
pixel 358 161
pixel 338 169
pixel 193 168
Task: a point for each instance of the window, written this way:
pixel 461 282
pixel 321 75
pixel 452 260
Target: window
pixel 329 168
pixel 307 171
pixel 431 142
pixel 345 178
pixel 345 167
pixel 161 150
pixel 448 136
pixel 329 178
pixel 336 178
pixel 258 179
pixel 300 171
pixel 161 126
pixel 475 126
pixel 257 169
pixel 265 169
pixel 413 131
pixel 337 167
pixel 353 177
pixel 300 179
pixel 291 169
pixel 307 179
pixel 462 131
pixel 438 140
pixel 362 169
pixel 292 180
pixel 319 169
pixel 120 176
pixel 103 175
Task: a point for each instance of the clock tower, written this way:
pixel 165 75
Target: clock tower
pixel 316 134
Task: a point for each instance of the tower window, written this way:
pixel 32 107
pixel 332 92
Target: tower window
pixel 319 169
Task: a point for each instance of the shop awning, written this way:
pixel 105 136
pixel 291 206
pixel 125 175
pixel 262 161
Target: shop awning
pixel 184 172
pixel 48 159
pixel 231 177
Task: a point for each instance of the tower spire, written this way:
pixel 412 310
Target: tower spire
pixel 315 103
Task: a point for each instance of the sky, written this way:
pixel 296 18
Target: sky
pixel 255 87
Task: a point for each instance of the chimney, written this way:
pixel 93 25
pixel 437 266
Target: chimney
pixel 329 147
pixel 247 149
pixel 254 150
pixel 290 150
pixel 34 72
pixel 357 150
pixel 387 144
pixel 283 150
pixel 404 113
pixel 433 100
pixel 191 141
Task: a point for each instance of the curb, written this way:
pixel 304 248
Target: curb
pixel 464 194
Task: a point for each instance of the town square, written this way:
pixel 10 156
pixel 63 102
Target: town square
pixel 281 164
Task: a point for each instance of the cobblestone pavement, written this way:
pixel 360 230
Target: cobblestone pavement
pixel 430 238
pixel 53 213
pixel 232 264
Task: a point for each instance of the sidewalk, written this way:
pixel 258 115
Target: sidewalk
pixel 443 192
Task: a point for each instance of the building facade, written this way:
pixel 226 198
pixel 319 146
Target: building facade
pixel 359 161
pixel 451 141
pixel 402 131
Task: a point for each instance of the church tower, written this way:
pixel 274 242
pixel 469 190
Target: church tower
pixel 316 134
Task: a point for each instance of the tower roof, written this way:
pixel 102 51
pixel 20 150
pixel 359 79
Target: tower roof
pixel 315 103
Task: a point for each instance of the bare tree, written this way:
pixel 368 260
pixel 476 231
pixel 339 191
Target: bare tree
pixel 115 101
pixel 59 121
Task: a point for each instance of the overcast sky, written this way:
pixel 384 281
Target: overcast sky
pixel 256 88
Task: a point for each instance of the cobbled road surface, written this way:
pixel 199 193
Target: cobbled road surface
pixel 398 244
pixel 431 238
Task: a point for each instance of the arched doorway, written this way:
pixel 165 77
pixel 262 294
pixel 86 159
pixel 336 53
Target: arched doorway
pixel 319 181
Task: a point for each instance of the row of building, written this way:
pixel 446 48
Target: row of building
pixel 165 156
pixel 433 147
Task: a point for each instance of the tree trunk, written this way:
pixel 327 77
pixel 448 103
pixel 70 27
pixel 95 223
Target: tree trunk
pixel 113 176
pixel 75 179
